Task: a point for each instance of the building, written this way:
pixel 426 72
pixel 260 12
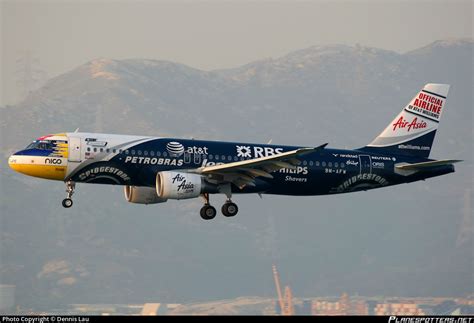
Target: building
pixel 398 309
pixel 344 306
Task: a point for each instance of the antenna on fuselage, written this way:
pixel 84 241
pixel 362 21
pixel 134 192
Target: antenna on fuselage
pixel 77 130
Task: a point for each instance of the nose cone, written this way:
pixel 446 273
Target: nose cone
pixel 38 166
pixel 12 162
pixel 17 162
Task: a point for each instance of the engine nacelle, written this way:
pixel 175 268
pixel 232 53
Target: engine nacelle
pixel 181 185
pixel 142 195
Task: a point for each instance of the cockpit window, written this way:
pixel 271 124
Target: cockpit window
pixel 43 145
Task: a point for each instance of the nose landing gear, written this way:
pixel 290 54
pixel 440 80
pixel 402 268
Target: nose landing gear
pixel 70 186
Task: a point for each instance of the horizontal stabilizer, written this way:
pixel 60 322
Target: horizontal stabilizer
pixel 420 166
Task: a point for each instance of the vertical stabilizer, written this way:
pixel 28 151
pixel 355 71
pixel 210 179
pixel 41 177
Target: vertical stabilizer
pixel 413 130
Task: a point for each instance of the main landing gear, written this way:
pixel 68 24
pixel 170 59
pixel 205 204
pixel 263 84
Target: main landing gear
pixel 209 212
pixel 229 208
pixel 70 186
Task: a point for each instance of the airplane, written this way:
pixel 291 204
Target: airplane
pixel 154 170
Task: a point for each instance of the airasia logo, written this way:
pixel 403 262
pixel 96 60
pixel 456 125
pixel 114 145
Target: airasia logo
pixel 409 125
pixel 182 184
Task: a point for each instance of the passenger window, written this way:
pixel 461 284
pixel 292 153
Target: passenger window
pixel 139 152
pixel 330 164
pixel 236 158
pixel 317 163
pixel 152 153
pixel 229 158
pixel 107 150
pixel 305 163
pixel 211 157
pixel 197 158
pixel 187 157
pixel 311 163
pixel 158 153
pixel 145 153
pixel 217 157
pixel 323 164
pixel 342 165
pixel 336 164
pixel 133 151
pixel 95 149
pixel 88 148
pixel 165 154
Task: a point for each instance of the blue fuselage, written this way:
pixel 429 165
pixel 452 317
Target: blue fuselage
pixel 327 171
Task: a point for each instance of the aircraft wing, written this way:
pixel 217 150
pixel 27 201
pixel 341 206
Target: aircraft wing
pixel 243 173
pixel 420 166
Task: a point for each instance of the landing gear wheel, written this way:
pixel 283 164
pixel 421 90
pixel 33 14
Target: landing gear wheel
pixel 229 209
pixel 67 203
pixel 70 186
pixel 208 212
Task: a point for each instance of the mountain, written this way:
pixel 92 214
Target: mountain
pixel 394 241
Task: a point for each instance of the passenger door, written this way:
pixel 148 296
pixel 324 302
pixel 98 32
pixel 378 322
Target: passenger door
pixel 365 164
pixel 74 149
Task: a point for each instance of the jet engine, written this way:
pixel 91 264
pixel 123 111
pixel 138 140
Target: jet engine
pixel 142 195
pixel 182 185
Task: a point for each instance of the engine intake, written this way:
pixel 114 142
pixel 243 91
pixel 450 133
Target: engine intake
pixel 181 185
pixel 142 195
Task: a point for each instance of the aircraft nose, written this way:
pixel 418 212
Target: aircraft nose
pixel 12 162
pixel 27 163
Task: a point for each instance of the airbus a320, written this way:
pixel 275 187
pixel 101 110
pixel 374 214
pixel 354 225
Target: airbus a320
pixel 154 170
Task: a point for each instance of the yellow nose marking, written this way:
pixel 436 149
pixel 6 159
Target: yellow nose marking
pixel 38 167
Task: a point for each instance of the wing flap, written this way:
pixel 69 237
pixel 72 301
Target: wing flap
pixel 257 172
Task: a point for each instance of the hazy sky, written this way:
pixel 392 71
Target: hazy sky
pixel 60 35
